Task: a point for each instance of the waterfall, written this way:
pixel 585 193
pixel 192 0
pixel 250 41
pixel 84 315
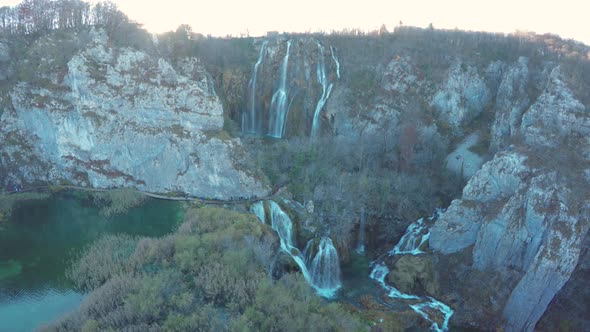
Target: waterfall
pixel 360 249
pixel 416 235
pixel 326 90
pixel 282 224
pixel 322 270
pixel 249 123
pixel 279 102
pixel 333 53
pixel 325 268
pixel 427 307
pixel 258 210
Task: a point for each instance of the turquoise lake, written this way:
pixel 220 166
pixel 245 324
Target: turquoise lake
pixel 41 239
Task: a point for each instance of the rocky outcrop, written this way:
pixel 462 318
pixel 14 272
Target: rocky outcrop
pixel 463 97
pixel 399 76
pixel 414 275
pixel 123 118
pixel 511 102
pixel 520 218
pixel 557 118
pixel 569 309
pixel 458 227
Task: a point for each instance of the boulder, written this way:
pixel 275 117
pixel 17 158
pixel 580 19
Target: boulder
pixel 414 275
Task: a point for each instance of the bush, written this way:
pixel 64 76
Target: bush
pixel 290 305
pixel 106 258
pixel 117 201
pixel 205 277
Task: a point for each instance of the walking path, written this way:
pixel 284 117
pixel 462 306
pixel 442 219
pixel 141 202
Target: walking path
pixel 240 200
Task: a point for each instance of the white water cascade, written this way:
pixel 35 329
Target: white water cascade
pixel 279 105
pixel 416 235
pixel 360 249
pixel 258 210
pixel 428 307
pixel 325 267
pixel 249 120
pixel 322 270
pixel 326 90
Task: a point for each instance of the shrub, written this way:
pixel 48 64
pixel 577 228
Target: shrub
pixel 106 258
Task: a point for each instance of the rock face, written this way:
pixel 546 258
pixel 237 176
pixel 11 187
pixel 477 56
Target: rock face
pixel 569 309
pixel 523 213
pixel 123 118
pixel 511 102
pixel 414 275
pixel 518 218
pixel 399 75
pixel 556 117
pixel 463 97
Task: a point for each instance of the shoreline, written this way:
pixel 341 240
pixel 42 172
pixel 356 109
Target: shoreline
pixel 145 193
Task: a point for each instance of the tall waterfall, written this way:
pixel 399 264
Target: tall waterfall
pixel 322 270
pixel 279 105
pixel 250 122
pixel 361 241
pixel 326 90
pixel 415 236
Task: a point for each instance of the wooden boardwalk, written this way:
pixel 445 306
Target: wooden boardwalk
pixel 152 195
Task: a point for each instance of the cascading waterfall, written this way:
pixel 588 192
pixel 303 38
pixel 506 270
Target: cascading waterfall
pixel 249 120
pixel 283 225
pixel 258 210
pixel 322 270
pixel 415 236
pixel 325 268
pixel 279 105
pixel 360 249
pixel 326 90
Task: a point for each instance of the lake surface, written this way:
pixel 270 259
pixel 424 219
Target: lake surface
pixel 41 239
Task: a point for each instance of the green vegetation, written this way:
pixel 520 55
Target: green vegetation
pixel 363 86
pixel 342 176
pixel 114 201
pixel 212 274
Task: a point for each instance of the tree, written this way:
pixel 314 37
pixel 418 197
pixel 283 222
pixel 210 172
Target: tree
pixel 383 30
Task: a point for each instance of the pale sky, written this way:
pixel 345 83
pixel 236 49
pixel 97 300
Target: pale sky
pixel 567 18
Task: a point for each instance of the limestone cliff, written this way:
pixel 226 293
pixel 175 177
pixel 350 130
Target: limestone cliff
pixel 524 216
pixel 121 117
